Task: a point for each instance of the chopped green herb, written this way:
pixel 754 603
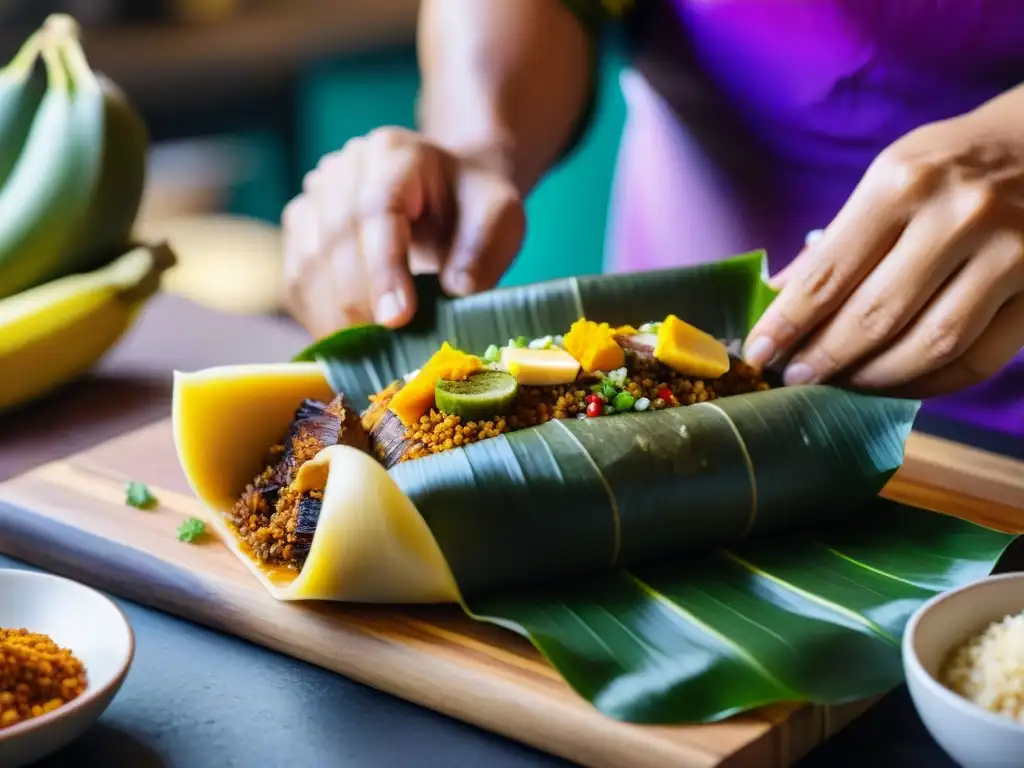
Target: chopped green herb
pixel 618 377
pixel 522 342
pixel 492 354
pixel 608 390
pixel 191 529
pixel 138 495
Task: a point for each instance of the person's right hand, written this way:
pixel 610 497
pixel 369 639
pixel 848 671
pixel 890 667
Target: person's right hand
pixel 384 206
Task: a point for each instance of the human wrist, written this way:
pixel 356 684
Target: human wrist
pixel 494 149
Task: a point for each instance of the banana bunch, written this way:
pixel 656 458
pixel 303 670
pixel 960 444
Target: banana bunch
pixel 72 171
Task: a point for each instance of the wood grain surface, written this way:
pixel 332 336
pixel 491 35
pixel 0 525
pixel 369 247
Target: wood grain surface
pixel 69 516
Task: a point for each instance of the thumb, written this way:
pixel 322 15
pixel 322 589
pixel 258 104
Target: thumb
pixel 489 231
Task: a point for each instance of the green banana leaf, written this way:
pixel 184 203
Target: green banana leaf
pixel 576 497
pixel 724 299
pixel 681 565
pixel 814 616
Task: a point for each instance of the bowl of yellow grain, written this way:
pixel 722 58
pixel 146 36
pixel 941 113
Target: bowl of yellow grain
pixel 963 653
pixel 65 650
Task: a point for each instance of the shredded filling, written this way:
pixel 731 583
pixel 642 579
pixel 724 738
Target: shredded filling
pixel 275 522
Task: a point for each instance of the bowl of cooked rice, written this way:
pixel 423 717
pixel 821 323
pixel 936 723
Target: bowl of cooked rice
pixel 963 654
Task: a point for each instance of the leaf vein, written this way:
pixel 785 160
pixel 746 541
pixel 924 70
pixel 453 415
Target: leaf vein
pixel 810 596
pixel 739 650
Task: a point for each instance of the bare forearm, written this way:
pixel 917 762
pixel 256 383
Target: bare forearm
pixel 505 78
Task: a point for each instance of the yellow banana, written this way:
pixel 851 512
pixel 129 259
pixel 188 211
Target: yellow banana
pixel 55 332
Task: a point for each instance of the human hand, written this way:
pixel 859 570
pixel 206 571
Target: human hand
pixel 916 287
pixel 384 206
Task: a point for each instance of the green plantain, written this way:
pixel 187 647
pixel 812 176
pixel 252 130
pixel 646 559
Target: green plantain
pixel 44 201
pixel 115 201
pixel 20 94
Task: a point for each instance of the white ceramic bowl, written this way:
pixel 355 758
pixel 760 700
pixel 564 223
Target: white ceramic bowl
pixel 972 736
pixel 92 627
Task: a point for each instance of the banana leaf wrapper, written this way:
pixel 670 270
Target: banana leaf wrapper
pixel 674 566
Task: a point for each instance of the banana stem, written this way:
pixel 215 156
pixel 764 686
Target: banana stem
pixel 63 31
pixel 21 65
pixel 56 75
pixel 74 56
pixel 61 25
pixel 58 26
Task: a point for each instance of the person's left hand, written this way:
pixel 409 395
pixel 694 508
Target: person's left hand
pixel 917 286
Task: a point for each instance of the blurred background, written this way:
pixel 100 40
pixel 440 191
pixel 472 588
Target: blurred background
pixel 243 96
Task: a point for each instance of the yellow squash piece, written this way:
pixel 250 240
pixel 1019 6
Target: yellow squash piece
pixel 540 367
pixel 594 345
pixel 371 544
pixel 417 396
pixel 690 351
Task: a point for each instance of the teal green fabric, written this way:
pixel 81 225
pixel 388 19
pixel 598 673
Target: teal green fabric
pixel 341 99
pixel 262 192
pixel 567 212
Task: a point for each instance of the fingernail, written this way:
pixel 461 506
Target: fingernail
pixel 462 282
pixel 797 374
pixel 813 235
pixel 776 364
pixel 389 307
pixel 760 351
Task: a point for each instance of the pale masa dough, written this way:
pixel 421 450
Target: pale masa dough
pixel 371 543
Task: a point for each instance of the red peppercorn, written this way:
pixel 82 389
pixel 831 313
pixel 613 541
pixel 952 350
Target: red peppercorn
pixel 665 394
pixel 594 398
pixel 595 409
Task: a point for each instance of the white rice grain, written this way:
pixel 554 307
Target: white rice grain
pixel 988 669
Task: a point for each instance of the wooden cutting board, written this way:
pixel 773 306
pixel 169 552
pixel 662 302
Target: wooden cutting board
pixel 69 517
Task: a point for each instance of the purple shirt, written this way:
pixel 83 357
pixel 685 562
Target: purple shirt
pixel 749 122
